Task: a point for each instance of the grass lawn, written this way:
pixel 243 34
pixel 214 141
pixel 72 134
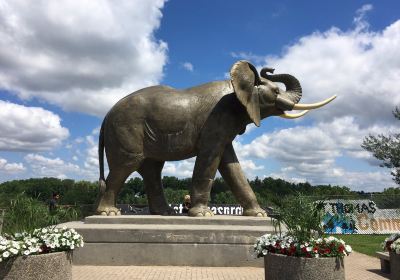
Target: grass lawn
pixel 363 243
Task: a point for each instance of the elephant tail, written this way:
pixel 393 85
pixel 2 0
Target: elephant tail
pixel 102 180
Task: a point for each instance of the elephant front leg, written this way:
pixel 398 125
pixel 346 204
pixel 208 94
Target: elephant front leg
pixel 233 175
pixel 206 165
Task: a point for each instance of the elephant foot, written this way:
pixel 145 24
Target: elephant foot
pixel 106 206
pixel 108 211
pixel 200 211
pixel 255 212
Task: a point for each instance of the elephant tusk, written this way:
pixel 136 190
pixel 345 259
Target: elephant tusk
pixel 293 116
pixel 314 105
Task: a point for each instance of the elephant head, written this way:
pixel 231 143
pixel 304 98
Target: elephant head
pixel 262 97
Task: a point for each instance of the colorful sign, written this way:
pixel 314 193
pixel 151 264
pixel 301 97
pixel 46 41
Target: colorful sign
pixel 359 217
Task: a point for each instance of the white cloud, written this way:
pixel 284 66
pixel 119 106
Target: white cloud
pixel 29 128
pixel 310 153
pixel 42 166
pixel 254 58
pixel 360 66
pixel 249 166
pixel 359 20
pixel 182 169
pixel 80 55
pixel 92 157
pixel 11 168
pixel 188 66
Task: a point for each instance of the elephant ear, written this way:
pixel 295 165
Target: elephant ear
pixel 245 80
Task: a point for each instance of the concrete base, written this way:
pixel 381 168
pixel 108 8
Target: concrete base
pixel 385 261
pixel 170 240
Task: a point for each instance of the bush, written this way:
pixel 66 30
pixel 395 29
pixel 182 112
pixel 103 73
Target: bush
pixel 302 217
pixel 24 214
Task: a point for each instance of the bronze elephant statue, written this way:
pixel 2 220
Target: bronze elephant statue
pixel 160 123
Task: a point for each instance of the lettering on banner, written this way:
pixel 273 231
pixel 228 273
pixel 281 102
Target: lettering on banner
pixel 359 216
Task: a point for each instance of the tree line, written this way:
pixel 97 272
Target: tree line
pixel 268 191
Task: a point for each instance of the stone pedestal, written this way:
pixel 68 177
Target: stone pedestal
pixel 170 240
pixel 38 267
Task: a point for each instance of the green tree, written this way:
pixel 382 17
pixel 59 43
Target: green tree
pixel 386 148
pixel 175 196
pixel 224 198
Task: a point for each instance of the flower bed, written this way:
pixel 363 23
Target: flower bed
pixel 289 246
pixel 392 244
pixel 40 241
pixel 396 246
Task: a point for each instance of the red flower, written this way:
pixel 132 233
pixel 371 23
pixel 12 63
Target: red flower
pixel 327 251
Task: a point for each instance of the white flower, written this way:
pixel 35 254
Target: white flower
pixel 26 252
pixel 13 251
pixel 6 254
pixel 264 252
pixel 348 248
pixel 44 230
pixel 396 246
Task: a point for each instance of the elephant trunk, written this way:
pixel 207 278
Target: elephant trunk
pixel 293 91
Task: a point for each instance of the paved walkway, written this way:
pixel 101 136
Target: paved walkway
pixel 358 267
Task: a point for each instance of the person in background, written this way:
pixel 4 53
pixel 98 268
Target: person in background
pixel 54 201
pixel 186 204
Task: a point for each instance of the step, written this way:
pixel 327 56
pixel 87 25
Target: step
pixel 164 233
pixel 179 220
pixel 169 240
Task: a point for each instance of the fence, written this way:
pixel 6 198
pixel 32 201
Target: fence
pixel 372 214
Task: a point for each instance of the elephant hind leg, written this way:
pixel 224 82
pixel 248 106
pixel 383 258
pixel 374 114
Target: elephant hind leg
pixel 107 200
pixel 151 173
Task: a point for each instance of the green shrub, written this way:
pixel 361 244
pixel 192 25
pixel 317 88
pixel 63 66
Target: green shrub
pixel 24 214
pixel 302 217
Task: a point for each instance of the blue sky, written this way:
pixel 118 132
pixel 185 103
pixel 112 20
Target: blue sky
pixel 64 64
